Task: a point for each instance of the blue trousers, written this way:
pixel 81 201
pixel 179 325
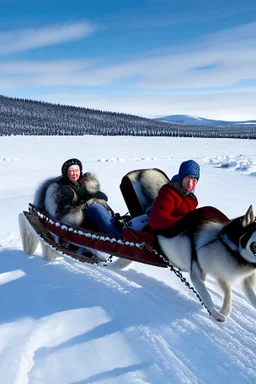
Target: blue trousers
pixel 102 220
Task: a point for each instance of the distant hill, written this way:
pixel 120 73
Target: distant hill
pixel 28 117
pixel 195 120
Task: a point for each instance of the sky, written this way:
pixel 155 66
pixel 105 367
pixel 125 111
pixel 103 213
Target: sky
pixel 64 322
pixel 149 58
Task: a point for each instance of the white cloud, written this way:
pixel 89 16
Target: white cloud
pixel 227 106
pixel 31 38
pixel 215 61
pixel 176 80
pixel 47 66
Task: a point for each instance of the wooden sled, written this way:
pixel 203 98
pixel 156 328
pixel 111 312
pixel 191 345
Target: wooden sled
pixel 57 238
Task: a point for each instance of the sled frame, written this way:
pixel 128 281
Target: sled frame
pixel 60 237
pixel 40 231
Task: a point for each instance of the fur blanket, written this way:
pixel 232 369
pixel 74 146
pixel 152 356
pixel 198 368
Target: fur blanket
pixel 60 199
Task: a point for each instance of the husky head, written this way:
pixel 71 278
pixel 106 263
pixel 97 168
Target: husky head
pixel 240 235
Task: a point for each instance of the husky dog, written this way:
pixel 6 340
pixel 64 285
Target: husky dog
pixel 205 242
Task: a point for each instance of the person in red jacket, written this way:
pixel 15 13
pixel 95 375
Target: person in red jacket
pixel 176 198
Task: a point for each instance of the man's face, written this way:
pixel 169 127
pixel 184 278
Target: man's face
pixel 73 173
pixel 189 183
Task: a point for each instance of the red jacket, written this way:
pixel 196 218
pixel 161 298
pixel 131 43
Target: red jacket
pixel 170 205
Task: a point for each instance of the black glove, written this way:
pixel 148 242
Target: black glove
pixel 119 225
pixel 81 192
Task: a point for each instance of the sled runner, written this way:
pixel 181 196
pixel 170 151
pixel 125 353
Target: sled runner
pixel 139 189
pixel 57 238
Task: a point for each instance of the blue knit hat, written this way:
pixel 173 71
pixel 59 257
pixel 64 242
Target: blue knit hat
pixel 189 168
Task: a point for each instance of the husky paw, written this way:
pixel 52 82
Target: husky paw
pixel 218 316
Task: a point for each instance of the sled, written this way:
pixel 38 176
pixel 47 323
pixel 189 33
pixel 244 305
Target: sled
pixel 57 238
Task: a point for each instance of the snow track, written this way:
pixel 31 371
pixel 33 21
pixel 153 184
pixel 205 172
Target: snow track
pixel 65 322
pixel 152 331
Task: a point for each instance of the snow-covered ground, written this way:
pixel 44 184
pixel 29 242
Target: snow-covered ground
pixel 65 322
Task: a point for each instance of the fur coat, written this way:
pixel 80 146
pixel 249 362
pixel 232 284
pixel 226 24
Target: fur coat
pixel 67 201
pixel 171 204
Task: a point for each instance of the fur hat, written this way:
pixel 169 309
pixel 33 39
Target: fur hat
pixel 187 168
pixel 68 163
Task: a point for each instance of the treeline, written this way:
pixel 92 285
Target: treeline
pixel 27 117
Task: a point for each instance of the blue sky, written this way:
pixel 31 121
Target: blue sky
pixel 149 58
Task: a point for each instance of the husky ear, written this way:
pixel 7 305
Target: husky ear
pixel 248 217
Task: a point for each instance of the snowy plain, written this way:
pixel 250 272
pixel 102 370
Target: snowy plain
pixel 64 322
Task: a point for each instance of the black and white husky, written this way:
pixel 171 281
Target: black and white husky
pixel 206 242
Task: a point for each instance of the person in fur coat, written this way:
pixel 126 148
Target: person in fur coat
pixel 70 196
pixel 176 198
